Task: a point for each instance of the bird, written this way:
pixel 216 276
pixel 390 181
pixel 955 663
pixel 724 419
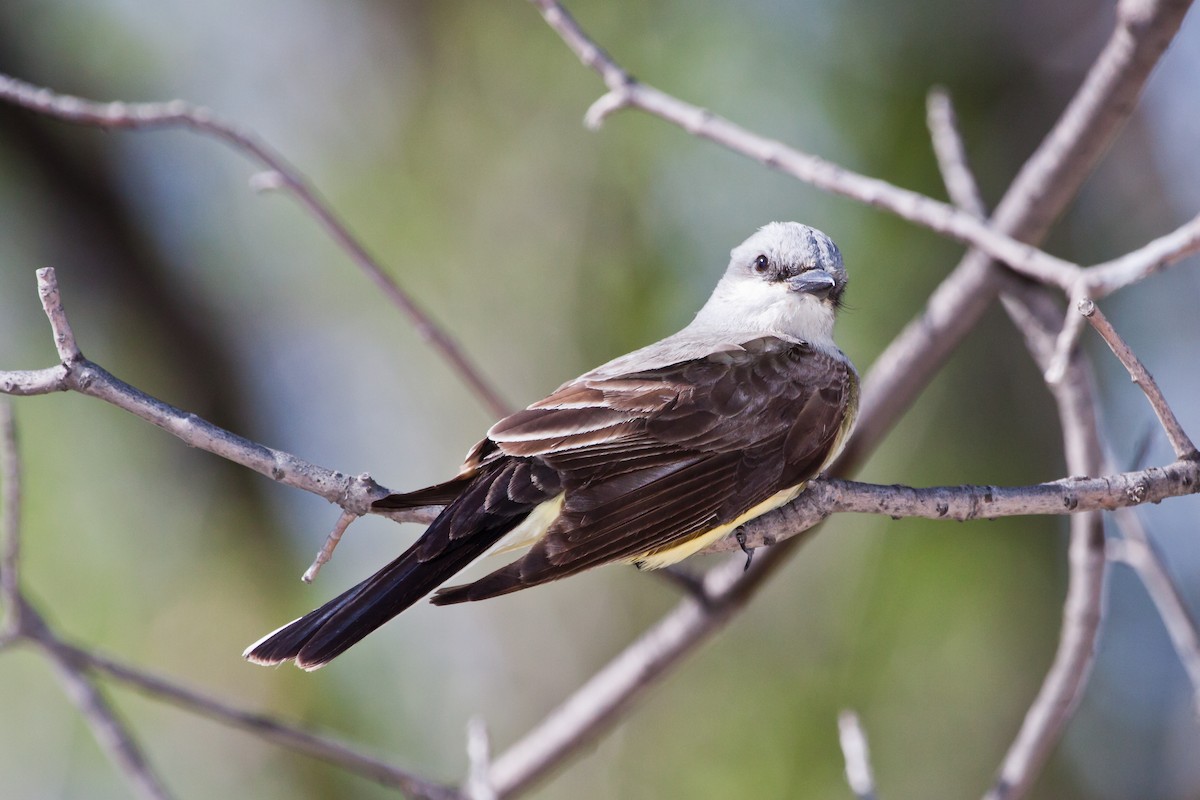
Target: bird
pixel 647 459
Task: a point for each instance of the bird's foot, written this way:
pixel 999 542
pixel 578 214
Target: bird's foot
pixel 740 536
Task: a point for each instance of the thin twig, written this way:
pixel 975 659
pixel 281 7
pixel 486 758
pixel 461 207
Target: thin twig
pixel 598 703
pixel 1066 679
pixel 1064 682
pixel 10 522
pixel 353 494
pixel 1141 448
pixel 1068 337
pixel 1104 279
pixel 64 337
pixel 1141 376
pixel 331 542
pixel 951 153
pixel 1138 552
pixel 264 727
pixel 110 732
pixel 857 754
pixel 479 758
pixel 178 114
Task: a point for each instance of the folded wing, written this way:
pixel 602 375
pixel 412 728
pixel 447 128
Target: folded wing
pixel 650 460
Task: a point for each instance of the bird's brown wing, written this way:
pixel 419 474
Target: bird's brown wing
pixel 653 459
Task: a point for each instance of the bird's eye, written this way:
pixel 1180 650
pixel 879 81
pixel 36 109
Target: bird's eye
pixel 761 265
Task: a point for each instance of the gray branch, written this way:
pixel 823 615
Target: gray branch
pixel 10 523
pixel 1138 552
pixel 1138 373
pixel 23 623
pixel 857 754
pixel 265 727
pixel 77 373
pixel 1036 317
pixel 1065 496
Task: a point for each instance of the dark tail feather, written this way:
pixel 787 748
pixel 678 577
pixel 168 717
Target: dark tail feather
pixel 531 569
pixel 481 511
pixel 443 494
pixel 503 581
pixel 321 635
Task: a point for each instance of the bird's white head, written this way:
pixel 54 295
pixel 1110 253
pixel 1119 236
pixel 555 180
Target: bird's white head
pixel 786 279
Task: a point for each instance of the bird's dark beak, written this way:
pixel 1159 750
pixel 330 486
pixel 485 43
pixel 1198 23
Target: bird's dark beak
pixel 816 282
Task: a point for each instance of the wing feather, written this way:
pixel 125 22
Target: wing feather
pixel 682 449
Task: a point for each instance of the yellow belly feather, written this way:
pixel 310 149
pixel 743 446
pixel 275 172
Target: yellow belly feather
pixel 663 558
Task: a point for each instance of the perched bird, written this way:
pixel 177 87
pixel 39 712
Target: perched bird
pixel 645 460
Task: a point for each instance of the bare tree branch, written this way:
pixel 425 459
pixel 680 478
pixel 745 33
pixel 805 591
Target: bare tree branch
pixel 1067 339
pixel 963 190
pixel 1141 376
pixel 110 732
pixel 264 727
pixel 479 755
pixel 178 114
pixel 598 703
pixel 1069 380
pixel 857 754
pixel 24 623
pixel 1067 676
pixel 951 153
pixel 331 542
pixel 26 382
pixel 76 373
pixel 1104 279
pixel 10 524
pixel 1104 101
pixel 1138 552
pixel 1065 496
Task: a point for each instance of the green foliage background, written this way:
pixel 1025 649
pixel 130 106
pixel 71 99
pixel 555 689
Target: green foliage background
pixel 448 135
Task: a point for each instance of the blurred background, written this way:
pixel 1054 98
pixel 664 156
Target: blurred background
pixel 449 137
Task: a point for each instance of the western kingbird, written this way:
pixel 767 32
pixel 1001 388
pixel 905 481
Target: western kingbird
pixel 645 460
